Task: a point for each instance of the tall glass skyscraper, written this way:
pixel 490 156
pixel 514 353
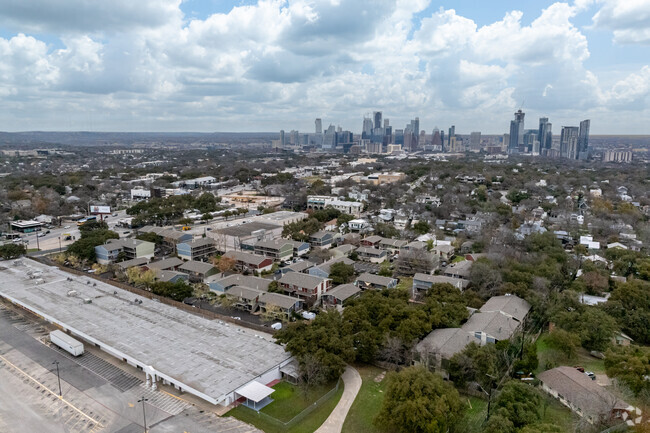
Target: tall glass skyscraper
pixel 517 132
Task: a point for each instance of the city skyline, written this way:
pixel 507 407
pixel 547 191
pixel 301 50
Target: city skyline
pixel 269 65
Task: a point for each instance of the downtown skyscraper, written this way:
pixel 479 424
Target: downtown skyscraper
pixel 517 133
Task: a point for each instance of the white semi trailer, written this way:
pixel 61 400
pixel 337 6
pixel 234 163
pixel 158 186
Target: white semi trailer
pixel 67 343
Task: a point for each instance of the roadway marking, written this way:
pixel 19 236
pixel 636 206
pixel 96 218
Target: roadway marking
pixel 176 397
pixel 51 392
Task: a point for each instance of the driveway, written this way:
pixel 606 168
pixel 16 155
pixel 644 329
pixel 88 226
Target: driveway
pixel 334 423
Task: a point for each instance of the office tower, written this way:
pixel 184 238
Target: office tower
pixel 505 143
pixel 386 123
pixel 399 137
pixel 436 139
pixel 517 133
pixel 475 142
pixel 442 141
pixel 282 140
pixel 416 130
pixel 569 142
pixel 530 137
pixel 583 139
pixel 453 144
pixel 319 126
pixel 377 117
pixel 329 139
pixel 452 133
pixel 367 128
pixel 544 135
pixel 294 138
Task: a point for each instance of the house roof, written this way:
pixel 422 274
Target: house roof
pixel 494 324
pixel 196 267
pixel 321 234
pixel 240 280
pixel 301 280
pixel 416 245
pixel 246 229
pixel 447 342
pixel 164 276
pixel 436 279
pixel 373 239
pixel 200 242
pixel 344 291
pixel 246 257
pixel 345 248
pixel 282 301
pixel 396 243
pixel 300 266
pixel 274 243
pixel 371 251
pixel 133 262
pixel 325 267
pixel 462 269
pixel 582 392
pixel 169 263
pixel 373 279
pixel 509 304
pixel 120 243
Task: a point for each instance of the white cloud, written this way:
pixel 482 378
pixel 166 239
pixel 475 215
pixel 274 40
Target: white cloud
pixel 279 63
pixel 628 19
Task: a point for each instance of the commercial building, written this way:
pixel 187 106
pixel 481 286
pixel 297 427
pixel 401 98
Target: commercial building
pixel 26 226
pixel 210 359
pixel 231 238
pixel 131 249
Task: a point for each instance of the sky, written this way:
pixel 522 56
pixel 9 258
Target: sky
pixel 266 65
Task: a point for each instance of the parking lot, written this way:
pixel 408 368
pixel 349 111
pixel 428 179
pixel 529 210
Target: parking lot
pixel 97 394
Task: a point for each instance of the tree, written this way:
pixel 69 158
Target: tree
pixel 421 227
pixel 326 338
pixel 341 273
pixel 206 202
pixel 518 402
pixel 274 287
pixel 92 235
pixel 11 251
pixel 224 264
pixel 273 312
pixel 418 401
pixel 385 270
pixel 629 304
pixel 564 341
pixel 631 365
pixel 150 237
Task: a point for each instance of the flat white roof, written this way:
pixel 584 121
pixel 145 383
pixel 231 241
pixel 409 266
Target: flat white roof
pixel 255 391
pixel 206 357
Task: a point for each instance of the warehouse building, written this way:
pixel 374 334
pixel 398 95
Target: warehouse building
pixel 216 361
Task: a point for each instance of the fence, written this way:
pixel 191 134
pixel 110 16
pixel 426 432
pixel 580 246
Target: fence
pixel 211 315
pixel 302 415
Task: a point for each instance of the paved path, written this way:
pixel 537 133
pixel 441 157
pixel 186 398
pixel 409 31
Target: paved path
pixel 334 423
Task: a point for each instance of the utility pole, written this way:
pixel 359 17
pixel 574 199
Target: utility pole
pixel 38 245
pixel 59 244
pixel 58 376
pixel 144 416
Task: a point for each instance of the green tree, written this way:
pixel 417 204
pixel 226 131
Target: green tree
pixel 631 365
pixel 418 401
pixel 84 248
pixel 518 402
pixel 11 251
pixel 340 273
pixel 629 304
pixel 326 339
pixel 564 341
pixel 421 227
pixel 385 270
pixel 150 237
pixel 206 202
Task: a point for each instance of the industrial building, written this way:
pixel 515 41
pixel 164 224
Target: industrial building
pixel 213 360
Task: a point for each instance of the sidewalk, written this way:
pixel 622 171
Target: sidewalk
pixel 334 423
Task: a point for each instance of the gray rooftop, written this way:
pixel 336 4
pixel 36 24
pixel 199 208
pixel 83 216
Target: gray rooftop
pixel 248 258
pixel 240 280
pixel 344 291
pixel 169 263
pixel 301 280
pixel 373 279
pixel 211 357
pixel 509 304
pixel 447 342
pixel 326 266
pixel 196 267
pixel 133 262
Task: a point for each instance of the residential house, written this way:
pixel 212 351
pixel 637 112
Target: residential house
pixel 168 276
pixel 301 266
pixel 277 249
pixel 460 269
pixel 321 239
pixel 323 270
pixel 371 241
pixel 423 282
pixel 373 255
pixel 253 262
pixel 198 250
pixel 304 286
pixel 392 246
pixel 343 250
pixel 123 266
pixel 170 264
pixel 413 246
pixel 359 225
pixel 339 294
pixel 170 237
pixel 487 326
pixel 198 271
pixel 220 284
pixel 129 248
pixel 584 396
pixel 588 241
pixel 372 281
pixel 254 300
pixel 444 252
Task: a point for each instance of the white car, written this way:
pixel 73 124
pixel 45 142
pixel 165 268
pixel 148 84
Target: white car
pixel 66 227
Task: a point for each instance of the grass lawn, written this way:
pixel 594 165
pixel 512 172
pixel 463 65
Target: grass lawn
pixel 405 283
pixel 288 402
pixel 582 358
pixel 367 404
pixel 475 415
pixel 457 259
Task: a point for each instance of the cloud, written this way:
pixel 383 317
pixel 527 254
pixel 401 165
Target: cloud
pixel 280 63
pixel 628 19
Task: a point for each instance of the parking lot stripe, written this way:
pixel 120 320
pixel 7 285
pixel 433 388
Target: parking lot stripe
pixel 48 389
